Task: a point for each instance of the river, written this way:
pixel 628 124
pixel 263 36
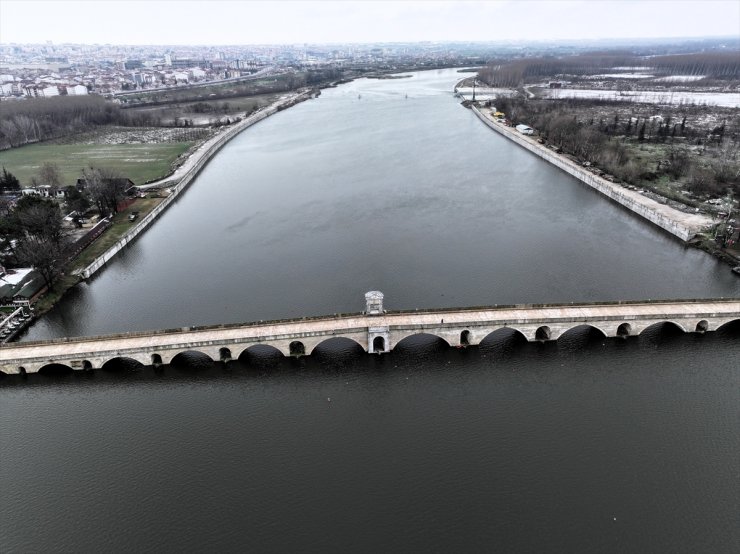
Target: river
pixel 584 444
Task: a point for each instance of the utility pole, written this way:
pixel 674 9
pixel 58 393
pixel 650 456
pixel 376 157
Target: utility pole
pixel 473 89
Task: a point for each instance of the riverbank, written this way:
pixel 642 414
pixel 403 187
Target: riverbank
pixel 682 225
pixel 177 182
pixel 185 174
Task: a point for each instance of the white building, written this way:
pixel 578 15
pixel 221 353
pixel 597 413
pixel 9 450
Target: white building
pixel 77 90
pixel 45 191
pixel 48 91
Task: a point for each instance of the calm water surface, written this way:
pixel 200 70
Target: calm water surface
pixel 579 446
pixel 368 189
pixel 584 444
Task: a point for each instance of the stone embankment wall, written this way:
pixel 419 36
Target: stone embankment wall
pixel 205 153
pixel 682 225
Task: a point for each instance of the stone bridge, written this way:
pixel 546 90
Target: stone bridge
pixel 375 330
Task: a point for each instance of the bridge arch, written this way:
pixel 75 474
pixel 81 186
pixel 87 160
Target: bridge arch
pixel 733 324
pixel 422 341
pixel 156 360
pixel 503 342
pixel 465 338
pixel 702 326
pixel 122 363
pixel 581 332
pixel 261 355
pixel 55 369
pixel 504 335
pixel 193 359
pixel 261 350
pixel 338 346
pixel 663 326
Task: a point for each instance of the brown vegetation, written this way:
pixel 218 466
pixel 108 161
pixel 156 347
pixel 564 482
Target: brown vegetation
pixel 37 119
pixel 662 148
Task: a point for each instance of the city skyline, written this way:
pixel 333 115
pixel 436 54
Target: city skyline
pixel 289 22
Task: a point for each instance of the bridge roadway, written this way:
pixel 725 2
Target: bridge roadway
pixel 375 331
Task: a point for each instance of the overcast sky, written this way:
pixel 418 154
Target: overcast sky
pixel 221 22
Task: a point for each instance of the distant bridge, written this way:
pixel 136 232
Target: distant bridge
pixel 375 330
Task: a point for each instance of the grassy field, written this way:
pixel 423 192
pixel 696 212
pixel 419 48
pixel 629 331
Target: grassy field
pixel 139 162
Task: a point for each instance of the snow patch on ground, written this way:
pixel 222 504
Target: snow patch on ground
pixel 142 136
pixel 725 99
pixel 622 76
pixel 680 78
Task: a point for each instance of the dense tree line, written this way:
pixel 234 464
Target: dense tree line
pixel 323 76
pixel 32 232
pixel 705 162
pixel 714 65
pixel 723 66
pixel 36 119
pixel 225 91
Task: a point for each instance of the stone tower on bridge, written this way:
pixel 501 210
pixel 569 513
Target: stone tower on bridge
pixel 374 303
pixel 378 337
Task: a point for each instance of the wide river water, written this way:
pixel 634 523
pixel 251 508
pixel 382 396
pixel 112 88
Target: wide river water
pixel 584 444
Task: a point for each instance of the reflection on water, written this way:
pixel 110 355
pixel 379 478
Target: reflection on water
pixel 579 444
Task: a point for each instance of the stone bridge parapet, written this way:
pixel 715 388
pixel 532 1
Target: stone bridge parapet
pixel 376 331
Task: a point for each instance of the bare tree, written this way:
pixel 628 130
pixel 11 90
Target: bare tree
pixel 49 174
pixel 44 256
pixel 105 188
